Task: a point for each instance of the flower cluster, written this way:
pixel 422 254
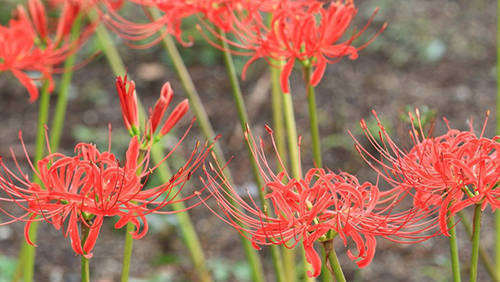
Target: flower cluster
pixel 317 207
pixel 77 192
pixel 451 171
pixel 306 31
pixel 29 44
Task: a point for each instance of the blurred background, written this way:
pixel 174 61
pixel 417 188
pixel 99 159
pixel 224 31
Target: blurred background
pixel 436 55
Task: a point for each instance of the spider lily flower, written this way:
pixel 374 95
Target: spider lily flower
pixel 316 207
pixel 27 44
pixel 81 190
pixel 128 103
pixel 450 172
pixel 219 13
pixel 304 31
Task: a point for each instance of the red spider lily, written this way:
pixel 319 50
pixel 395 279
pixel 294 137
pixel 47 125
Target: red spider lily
pixel 217 12
pixel 451 171
pixel 307 31
pixel 114 4
pixel 311 208
pixel 128 103
pixel 26 43
pixel 85 188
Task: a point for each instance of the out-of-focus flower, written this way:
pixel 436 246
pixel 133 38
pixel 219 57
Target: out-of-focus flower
pixel 317 207
pixel 451 171
pixel 304 31
pixel 28 44
pixel 220 13
pixel 80 191
pixel 128 103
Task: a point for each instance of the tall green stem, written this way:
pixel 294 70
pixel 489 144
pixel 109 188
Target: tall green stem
pixel 293 155
pixel 318 160
pixel 127 252
pixel 279 130
pixel 293 151
pixel 188 232
pixel 475 243
pixel 207 129
pixel 26 263
pixel 334 261
pixel 455 262
pixel 483 255
pixel 62 97
pixel 313 118
pixel 243 118
pixel 85 269
pixel 27 254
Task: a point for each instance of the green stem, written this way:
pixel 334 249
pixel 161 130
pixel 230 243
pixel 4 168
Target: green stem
pixel 62 98
pixel 109 49
pixel 475 243
pixel 207 129
pixel 455 263
pixel 26 263
pixel 316 146
pixel 313 118
pixel 279 136
pixel 334 261
pixel 195 102
pixel 127 252
pixel 293 151
pixel 85 269
pixel 293 156
pixel 278 116
pixel 483 255
pixel 243 118
pixel 189 234
pixel 326 276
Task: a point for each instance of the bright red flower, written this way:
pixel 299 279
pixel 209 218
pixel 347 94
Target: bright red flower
pixel 451 171
pixel 128 103
pixel 314 208
pixel 85 188
pixel 220 13
pixel 307 31
pixel 27 44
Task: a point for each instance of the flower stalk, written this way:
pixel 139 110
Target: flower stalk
pixel 334 261
pixel 62 97
pixel 455 262
pixel 85 269
pixel 483 255
pixel 127 252
pixel 313 116
pixel 187 229
pixel 26 263
pixel 475 243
